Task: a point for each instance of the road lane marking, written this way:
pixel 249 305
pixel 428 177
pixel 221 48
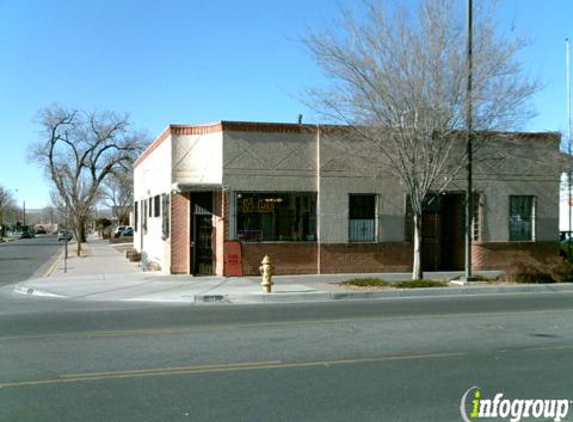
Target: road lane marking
pixel 215 328
pixel 168 370
pixel 117 333
pixel 75 378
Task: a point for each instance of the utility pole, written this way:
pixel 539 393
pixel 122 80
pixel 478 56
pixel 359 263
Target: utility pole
pixel 66 240
pixel 469 151
pixel 568 75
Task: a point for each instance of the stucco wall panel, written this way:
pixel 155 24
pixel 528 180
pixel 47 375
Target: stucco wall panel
pixel 152 176
pixel 269 161
pixel 198 158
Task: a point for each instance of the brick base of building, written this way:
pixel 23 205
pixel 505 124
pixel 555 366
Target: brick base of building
pixel 302 257
pixel 287 258
pixel 366 257
pixel 502 255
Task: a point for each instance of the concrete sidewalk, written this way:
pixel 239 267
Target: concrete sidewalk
pixel 102 273
pixel 98 258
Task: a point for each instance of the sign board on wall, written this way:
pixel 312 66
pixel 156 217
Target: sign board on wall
pixel 233 259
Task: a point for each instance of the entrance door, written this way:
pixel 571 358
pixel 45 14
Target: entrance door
pixel 202 230
pixel 452 241
pixel 443 228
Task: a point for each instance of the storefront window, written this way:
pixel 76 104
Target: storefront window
pixel 284 216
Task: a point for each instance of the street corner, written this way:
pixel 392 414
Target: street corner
pixel 31 290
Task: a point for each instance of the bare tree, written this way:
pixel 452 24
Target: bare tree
pixel 80 150
pixel 6 204
pixel 117 192
pixel 398 80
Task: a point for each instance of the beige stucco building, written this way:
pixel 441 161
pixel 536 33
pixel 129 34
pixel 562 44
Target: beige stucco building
pixel 216 198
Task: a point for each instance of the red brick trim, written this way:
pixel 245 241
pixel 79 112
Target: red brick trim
pixel 196 129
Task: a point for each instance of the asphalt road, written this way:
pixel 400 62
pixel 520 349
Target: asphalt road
pixel 23 258
pixel 386 360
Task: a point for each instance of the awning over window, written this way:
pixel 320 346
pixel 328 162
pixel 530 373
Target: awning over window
pixel 196 187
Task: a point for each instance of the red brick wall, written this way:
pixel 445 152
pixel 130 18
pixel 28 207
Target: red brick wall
pixel 301 257
pixel 180 234
pixel 288 258
pixel 366 257
pixel 501 255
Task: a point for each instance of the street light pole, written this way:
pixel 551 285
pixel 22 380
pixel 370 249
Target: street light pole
pixel 469 148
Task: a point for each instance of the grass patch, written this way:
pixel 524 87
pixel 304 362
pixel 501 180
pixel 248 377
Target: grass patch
pixel 378 282
pixel 414 284
pixel 366 282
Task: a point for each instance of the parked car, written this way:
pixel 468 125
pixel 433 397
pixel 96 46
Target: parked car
pixel 119 231
pixel 127 232
pixel 63 234
pixel 26 235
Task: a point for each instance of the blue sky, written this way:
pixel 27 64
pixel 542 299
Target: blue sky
pixel 192 61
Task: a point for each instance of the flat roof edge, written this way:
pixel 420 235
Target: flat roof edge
pixel 273 127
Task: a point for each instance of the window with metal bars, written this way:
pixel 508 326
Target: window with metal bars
pixel 362 218
pixel 156 206
pixel 521 218
pixel 166 215
pixel 136 215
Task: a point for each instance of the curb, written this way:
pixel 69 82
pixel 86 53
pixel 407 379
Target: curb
pixel 52 268
pixel 25 290
pixel 322 296
pixel 319 296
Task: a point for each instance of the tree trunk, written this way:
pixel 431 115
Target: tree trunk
pixel 78 244
pixel 80 233
pixel 417 273
pixel 83 231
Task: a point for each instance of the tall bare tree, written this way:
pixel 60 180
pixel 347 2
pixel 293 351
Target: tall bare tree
pixel 398 80
pixel 79 150
pixel 6 204
pixel 117 192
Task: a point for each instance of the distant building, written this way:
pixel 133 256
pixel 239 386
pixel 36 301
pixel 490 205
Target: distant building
pixel 216 198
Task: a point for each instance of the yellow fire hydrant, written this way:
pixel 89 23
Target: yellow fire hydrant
pixel 267 272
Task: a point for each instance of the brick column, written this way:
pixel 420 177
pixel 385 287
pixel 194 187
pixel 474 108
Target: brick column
pixel 219 229
pixel 180 234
